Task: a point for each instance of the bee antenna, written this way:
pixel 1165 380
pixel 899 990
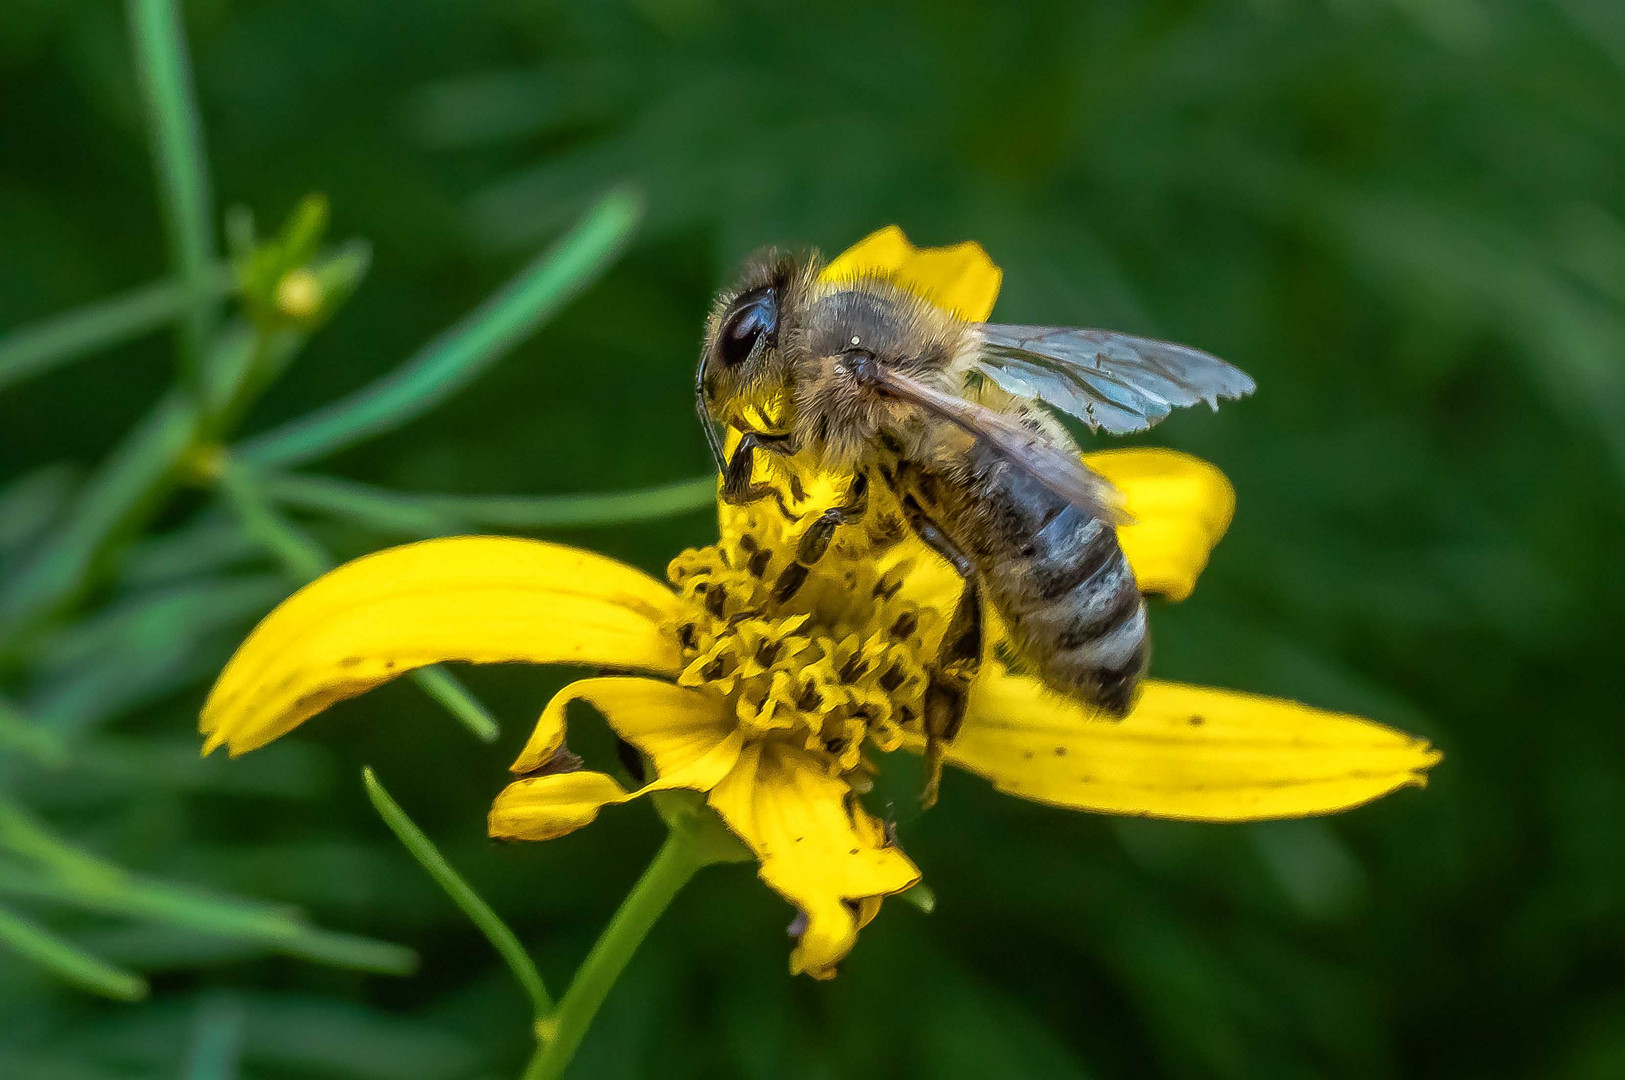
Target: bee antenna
pixel 712 440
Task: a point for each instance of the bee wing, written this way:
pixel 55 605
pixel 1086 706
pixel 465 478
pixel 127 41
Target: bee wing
pixel 1108 380
pixel 1060 470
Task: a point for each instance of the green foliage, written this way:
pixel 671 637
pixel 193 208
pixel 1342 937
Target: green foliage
pixel 1407 220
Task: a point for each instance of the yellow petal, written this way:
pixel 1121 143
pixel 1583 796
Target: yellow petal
pixel 674 725
pixel 961 279
pixel 477 598
pixel 1179 507
pixel 687 734
pixel 1184 752
pixel 818 849
pixel 543 807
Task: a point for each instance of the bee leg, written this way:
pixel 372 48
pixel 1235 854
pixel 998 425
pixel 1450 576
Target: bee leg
pixel 815 541
pixel 960 656
pixel 737 488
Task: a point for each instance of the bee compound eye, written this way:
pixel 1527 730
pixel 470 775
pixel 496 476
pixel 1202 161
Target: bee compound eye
pixel 753 315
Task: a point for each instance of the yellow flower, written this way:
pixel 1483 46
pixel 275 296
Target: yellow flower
pixel 779 712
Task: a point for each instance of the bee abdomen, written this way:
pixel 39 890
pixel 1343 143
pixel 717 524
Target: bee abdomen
pixel 1072 604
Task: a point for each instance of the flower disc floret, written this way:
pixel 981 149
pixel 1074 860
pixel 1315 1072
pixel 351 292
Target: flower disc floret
pixel 837 669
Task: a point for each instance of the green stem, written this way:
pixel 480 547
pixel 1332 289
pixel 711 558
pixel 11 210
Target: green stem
pixel 413 514
pixel 497 932
pixel 448 690
pixel 32 350
pixel 217 1039
pixel 463 352
pixel 165 75
pixel 303 557
pixel 67 961
pixel 562 1032
pixel 115 501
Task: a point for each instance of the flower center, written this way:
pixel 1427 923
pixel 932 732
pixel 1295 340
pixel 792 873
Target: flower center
pixel 836 667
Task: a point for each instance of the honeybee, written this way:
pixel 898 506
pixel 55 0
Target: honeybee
pixel 953 417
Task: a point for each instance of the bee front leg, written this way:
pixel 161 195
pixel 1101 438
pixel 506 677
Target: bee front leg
pixel 959 659
pixel 737 488
pixel 815 541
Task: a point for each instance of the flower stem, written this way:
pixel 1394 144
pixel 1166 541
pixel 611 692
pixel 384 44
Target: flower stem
pixel 562 1032
pixel 497 932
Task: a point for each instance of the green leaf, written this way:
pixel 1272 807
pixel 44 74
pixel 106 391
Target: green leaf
pixel 31 504
pixel 210 542
pixel 301 554
pixel 457 699
pixel 116 497
pixel 19 733
pixel 142 648
pixel 497 932
pixel 65 873
pixel 165 77
pixel 33 350
pixel 466 350
pixel 68 962
pixel 430 515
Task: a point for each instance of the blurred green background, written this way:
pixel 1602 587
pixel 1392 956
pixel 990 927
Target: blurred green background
pixel 1406 218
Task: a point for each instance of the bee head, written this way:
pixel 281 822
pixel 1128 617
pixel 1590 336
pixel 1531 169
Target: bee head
pixel 742 362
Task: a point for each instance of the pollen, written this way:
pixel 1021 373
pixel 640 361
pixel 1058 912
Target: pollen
pixel 839 667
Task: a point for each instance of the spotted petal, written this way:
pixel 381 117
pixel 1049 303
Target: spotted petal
pixel 1185 752
pixel 476 598
pixel 817 848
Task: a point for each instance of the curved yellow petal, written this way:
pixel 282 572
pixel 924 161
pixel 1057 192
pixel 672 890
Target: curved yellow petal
pixel 542 807
pixel 687 734
pixel 674 725
pixel 818 849
pixel 1179 507
pixel 961 279
pixel 483 599
pixel 1184 752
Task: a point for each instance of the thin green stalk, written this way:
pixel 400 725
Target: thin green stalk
pixel 217 1039
pixel 129 485
pixel 164 72
pixel 18 733
pixel 301 554
pixel 140 473
pixel 33 350
pixel 67 961
pixel 562 1032
pixel 457 699
pixel 462 894
pixel 463 352
pixel 418 515
pixel 307 560
pixel 64 873
pixel 121 893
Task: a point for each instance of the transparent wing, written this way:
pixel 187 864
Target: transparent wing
pixel 1060 469
pixel 1108 380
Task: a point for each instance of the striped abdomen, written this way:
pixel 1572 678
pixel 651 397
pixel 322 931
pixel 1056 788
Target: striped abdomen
pixel 1054 573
